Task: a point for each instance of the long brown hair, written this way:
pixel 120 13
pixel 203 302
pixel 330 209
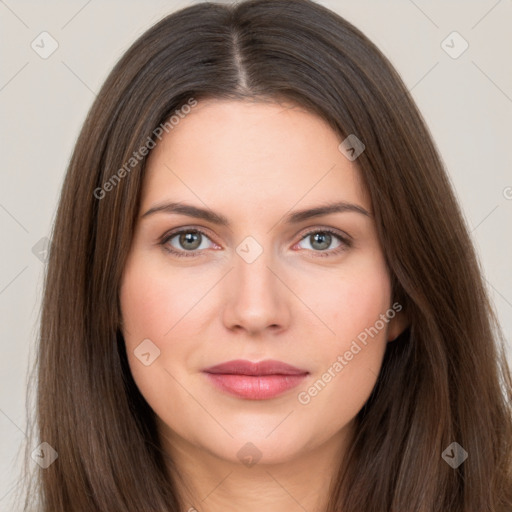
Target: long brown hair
pixel 446 378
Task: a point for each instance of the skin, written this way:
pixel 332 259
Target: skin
pixel 254 163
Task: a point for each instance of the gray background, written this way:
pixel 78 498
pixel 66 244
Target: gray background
pixel 466 101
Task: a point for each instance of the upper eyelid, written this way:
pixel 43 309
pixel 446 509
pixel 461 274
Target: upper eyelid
pixel 172 233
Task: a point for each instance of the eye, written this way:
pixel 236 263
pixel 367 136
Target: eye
pixel 185 241
pixel 320 241
pixel 190 242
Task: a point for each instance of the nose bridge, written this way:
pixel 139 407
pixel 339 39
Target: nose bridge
pixel 256 298
pixel 253 277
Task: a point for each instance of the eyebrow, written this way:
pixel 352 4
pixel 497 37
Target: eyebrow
pixel 219 219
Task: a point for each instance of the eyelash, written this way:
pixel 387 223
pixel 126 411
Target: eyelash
pixel 346 242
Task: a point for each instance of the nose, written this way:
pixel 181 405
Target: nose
pixel 257 298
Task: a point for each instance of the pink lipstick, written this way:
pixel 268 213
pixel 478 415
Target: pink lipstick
pixel 255 381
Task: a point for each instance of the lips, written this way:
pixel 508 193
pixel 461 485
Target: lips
pixel 255 381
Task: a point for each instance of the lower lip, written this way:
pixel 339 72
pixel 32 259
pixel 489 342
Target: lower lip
pixel 260 387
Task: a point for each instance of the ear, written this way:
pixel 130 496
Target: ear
pixel 397 325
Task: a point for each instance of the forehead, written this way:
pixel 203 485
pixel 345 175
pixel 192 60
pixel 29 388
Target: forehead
pixel 250 154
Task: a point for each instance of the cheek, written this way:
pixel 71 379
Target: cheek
pixel 350 302
pixel 145 314
pixel 348 362
pixel 359 305
pixel 152 299
pixel 151 305
pixel 142 306
pixel 166 306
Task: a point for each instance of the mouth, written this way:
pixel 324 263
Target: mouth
pixel 255 381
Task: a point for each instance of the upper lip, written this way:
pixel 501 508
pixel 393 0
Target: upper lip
pixel 244 367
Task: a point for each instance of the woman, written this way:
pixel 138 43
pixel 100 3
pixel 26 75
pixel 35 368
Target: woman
pixel 261 294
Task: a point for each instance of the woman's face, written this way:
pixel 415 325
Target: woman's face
pixel 311 291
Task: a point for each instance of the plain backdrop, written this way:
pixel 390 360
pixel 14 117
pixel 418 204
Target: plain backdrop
pixel 466 100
